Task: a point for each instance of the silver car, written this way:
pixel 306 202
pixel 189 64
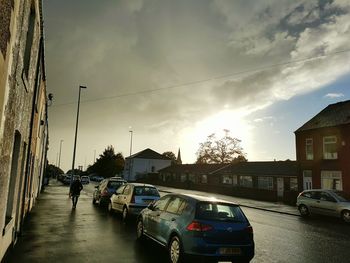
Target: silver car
pixel 131 198
pixel 325 202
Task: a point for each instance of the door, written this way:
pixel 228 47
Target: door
pixel 307 180
pixel 280 187
pixel 153 220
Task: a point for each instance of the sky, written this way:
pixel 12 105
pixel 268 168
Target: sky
pixel 173 72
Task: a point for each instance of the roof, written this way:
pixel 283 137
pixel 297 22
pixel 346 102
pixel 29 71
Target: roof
pixel 193 168
pixel 148 154
pixel 333 115
pixel 274 168
pixel 201 198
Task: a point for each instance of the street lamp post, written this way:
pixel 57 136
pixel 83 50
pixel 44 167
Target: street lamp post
pixel 130 130
pixel 59 156
pixel 76 132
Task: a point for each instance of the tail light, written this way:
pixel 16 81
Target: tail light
pixel 196 226
pixel 105 192
pixel 249 229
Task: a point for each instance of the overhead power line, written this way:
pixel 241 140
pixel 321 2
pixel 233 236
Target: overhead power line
pixel 257 69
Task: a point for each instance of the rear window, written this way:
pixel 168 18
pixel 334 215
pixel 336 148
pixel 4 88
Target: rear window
pixel 219 211
pixel 114 184
pixel 145 190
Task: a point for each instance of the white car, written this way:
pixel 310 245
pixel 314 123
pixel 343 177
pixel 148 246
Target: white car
pixel 131 198
pixel 325 202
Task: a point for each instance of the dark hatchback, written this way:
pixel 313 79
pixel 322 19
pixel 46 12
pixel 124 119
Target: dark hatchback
pixel 105 189
pixel 198 226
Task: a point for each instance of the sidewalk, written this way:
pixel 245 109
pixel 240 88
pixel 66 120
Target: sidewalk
pixel 53 232
pixel 261 205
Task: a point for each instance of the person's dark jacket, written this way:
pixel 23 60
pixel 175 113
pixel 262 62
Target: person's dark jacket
pixel 76 187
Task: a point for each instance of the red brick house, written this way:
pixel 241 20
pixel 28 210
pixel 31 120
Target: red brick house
pixel 323 149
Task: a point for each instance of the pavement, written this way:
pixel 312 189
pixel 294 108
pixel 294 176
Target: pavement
pixel 275 207
pixel 53 232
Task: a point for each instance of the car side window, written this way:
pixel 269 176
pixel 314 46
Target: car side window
pixel 315 195
pixel 174 205
pixel 127 190
pixel 120 190
pixel 161 203
pixel 183 207
pixel 327 197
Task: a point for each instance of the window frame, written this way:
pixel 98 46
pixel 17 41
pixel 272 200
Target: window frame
pixel 309 152
pixel 329 155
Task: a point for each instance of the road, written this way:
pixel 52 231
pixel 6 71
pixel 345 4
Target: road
pixel 55 233
pixel 285 238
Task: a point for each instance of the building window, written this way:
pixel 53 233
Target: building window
pixel 204 179
pixel 265 183
pixel 293 184
pixel 309 149
pixel 29 41
pixel 227 179
pixel 246 181
pixel 331 180
pixel 330 147
pixel 192 178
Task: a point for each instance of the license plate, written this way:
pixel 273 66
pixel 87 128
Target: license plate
pixel 230 251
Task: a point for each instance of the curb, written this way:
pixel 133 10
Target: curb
pixel 253 207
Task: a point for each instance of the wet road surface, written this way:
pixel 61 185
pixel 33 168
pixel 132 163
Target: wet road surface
pixel 56 233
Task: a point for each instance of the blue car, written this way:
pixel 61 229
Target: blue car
pixel 198 226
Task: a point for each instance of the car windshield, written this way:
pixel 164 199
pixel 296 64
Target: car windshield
pixel 114 184
pixel 219 211
pixel 341 197
pixel 145 190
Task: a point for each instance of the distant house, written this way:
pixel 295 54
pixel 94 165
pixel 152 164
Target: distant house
pixel 323 149
pixel 259 180
pixel 141 164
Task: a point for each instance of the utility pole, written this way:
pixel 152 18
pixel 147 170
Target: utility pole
pixel 76 133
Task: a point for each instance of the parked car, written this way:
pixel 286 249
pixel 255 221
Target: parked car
pixel 198 226
pixel 66 179
pixel 85 179
pixel 131 198
pixel 324 202
pixel 105 189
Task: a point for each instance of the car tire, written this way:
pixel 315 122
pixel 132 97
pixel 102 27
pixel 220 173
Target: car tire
pixel 125 214
pixel 93 201
pixel 303 210
pixel 139 230
pixel 175 250
pixel 345 215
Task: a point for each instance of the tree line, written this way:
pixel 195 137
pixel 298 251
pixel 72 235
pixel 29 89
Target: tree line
pixel 213 150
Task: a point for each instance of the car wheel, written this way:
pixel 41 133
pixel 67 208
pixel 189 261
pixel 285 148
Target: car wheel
pixel 303 210
pixel 175 251
pixel 345 215
pixel 125 214
pixel 139 230
pixel 110 208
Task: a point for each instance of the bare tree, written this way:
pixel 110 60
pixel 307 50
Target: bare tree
pixel 224 150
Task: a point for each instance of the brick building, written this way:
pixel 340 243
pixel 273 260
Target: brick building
pixel 23 114
pixel 323 149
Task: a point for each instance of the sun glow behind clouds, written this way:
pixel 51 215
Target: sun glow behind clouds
pixel 228 119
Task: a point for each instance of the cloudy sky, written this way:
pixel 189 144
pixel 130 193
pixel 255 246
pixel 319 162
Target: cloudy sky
pixel 177 71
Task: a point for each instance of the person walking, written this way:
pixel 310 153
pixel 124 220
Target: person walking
pixel 74 191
